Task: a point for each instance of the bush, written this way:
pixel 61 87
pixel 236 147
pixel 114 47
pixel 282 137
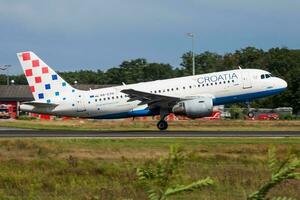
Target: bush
pixel 281 171
pixel 162 179
pixel 286 117
pixel 26 117
pixel 236 112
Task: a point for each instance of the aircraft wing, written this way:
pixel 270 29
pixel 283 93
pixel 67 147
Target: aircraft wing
pixel 153 100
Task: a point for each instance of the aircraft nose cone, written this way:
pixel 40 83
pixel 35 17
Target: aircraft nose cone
pixel 284 84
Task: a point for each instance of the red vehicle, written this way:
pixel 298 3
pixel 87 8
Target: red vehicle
pixel 269 116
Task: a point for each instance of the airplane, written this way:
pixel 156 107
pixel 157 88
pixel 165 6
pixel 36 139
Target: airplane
pixel 191 96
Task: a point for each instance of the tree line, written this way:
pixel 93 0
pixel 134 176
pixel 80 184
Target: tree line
pixel 281 62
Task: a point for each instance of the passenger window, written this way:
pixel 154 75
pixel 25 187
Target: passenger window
pixel 190 86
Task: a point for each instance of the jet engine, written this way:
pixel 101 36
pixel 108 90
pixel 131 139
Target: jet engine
pixel 194 108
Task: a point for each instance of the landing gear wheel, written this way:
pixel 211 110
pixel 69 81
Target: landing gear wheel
pixel 250 114
pixel 162 125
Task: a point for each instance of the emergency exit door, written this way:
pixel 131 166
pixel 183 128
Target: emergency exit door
pixel 80 102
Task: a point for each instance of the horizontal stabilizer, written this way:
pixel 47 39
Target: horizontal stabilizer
pixel 40 104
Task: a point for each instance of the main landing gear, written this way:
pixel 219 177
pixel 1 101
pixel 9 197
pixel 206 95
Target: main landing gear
pixel 162 124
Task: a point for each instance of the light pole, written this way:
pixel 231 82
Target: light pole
pixel 191 35
pixel 6 67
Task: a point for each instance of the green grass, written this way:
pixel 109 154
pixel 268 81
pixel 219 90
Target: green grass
pixel 130 125
pixel 106 168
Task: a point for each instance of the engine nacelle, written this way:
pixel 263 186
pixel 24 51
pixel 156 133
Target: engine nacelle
pixel 194 108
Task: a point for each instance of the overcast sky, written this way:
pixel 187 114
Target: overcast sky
pixel 97 34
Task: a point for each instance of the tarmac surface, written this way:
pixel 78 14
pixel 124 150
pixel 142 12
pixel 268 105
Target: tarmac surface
pixel 14 132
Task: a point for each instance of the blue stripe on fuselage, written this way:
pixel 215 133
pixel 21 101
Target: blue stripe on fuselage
pixel 245 97
pixel 216 101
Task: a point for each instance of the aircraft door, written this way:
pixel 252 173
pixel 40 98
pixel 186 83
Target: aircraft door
pixel 80 103
pixel 246 79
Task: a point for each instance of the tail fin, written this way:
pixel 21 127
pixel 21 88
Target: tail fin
pixel 45 84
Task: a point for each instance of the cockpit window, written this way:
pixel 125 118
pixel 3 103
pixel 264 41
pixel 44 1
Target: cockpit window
pixel 263 76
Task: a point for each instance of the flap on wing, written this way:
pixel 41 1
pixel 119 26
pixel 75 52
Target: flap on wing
pixel 40 104
pixel 148 98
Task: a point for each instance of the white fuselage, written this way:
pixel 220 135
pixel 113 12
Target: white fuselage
pixel 224 87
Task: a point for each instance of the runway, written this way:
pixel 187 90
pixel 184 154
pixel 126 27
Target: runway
pixel 10 132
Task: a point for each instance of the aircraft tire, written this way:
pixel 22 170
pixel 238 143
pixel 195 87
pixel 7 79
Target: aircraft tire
pixel 251 114
pixel 162 125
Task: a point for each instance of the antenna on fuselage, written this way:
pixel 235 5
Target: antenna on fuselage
pixel 240 67
pixel 123 84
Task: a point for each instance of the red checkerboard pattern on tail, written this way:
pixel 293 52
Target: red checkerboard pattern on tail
pixel 45 84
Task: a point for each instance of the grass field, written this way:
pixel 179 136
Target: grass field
pixel 106 168
pixel 130 125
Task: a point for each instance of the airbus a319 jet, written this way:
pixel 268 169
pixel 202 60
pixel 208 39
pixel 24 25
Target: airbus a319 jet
pixel 191 96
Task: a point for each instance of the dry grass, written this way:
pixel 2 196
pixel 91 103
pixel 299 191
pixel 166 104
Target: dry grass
pixel 105 168
pixel 131 125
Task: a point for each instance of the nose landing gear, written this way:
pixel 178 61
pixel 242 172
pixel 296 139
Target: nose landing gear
pixel 250 113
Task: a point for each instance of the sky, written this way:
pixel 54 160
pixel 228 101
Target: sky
pixel 72 35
